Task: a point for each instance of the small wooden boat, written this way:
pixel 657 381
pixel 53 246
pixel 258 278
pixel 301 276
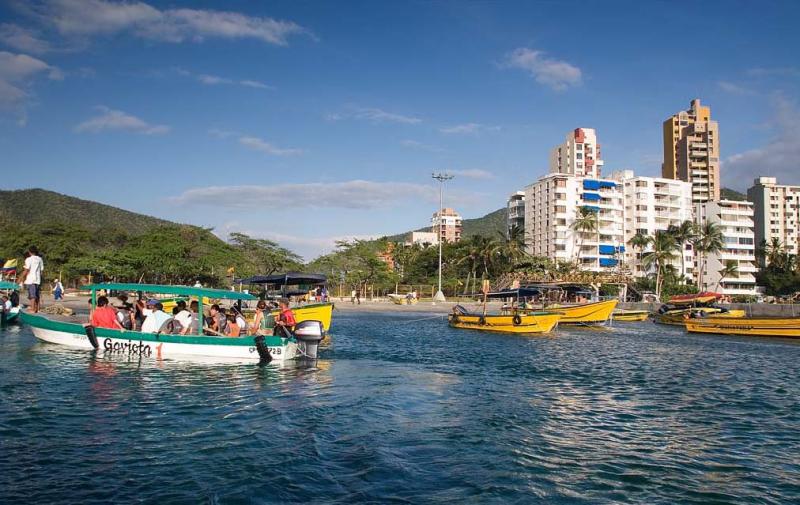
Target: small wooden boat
pixel 531 322
pixel 12 314
pixel 630 315
pixel 159 345
pixel 586 313
pixel 678 317
pixel 746 326
pixel 399 299
pixel 698 299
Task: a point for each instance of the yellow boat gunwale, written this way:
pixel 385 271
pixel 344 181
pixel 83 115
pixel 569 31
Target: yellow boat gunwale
pixel 535 322
pixel 630 315
pixel 749 326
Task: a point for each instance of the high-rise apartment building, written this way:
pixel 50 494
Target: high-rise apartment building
pixel 579 155
pixel 776 213
pixel 735 221
pixel 653 204
pixel 448 226
pixel 691 151
pixel 516 212
pixel 551 207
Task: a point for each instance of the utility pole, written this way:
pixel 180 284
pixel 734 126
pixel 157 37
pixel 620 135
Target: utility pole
pixel 442 178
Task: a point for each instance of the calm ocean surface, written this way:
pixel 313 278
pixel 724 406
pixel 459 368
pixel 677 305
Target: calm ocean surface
pixel 414 412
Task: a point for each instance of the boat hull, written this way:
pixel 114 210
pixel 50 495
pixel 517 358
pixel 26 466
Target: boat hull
pixel 676 318
pixel 149 345
pixel 537 322
pixel 630 316
pixel 588 313
pixel 748 326
pixel 322 312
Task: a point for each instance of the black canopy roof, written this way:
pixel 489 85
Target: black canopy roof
pixel 515 293
pixel 287 279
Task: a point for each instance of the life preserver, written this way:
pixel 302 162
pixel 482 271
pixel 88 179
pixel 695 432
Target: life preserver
pixel 517 320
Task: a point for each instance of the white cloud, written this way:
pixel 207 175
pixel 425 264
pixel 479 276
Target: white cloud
pixel 258 144
pixel 213 80
pixel 22 39
pixel 16 73
pixel 734 89
pixel 421 146
pixel 373 115
pixel 110 119
pixel 778 158
pixel 558 75
pixel 468 129
pixel 357 194
pixel 473 173
pixel 86 18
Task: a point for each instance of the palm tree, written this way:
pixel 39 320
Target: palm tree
pixel 585 222
pixel 709 240
pixel 640 242
pixel 683 234
pixel 513 246
pixel 663 251
pixel 731 269
pixel 774 252
pixel 489 249
pixel 471 256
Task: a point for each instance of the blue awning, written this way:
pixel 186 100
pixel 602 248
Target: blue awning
pixel 593 208
pixel 592 197
pixel 591 184
pixel 607 249
pixel 608 262
pixel 607 184
pixel 622 248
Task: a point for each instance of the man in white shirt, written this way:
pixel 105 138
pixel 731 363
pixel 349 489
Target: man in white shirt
pixel 184 317
pixel 32 277
pixel 155 318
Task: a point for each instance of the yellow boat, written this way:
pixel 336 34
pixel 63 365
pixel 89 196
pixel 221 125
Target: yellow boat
pixel 630 315
pixel 322 312
pixel 532 322
pixel 746 326
pixel 587 313
pixel 678 317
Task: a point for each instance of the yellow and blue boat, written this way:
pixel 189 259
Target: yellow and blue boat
pixel 297 285
pixel 528 323
pixel 787 327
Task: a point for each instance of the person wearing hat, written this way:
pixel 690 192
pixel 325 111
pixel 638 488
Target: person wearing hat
pixel 156 317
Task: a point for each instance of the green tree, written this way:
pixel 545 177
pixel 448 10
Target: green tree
pixel 731 269
pixel 639 242
pixel 709 240
pixel 662 252
pixel 262 256
pixel 586 221
pixel 683 234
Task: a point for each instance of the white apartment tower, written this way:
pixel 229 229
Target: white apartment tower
pixel 551 206
pixel 579 155
pixel 735 221
pixel 516 212
pixel 776 213
pixel 653 204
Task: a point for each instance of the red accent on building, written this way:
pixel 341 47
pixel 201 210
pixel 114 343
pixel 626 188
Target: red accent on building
pixel 579 137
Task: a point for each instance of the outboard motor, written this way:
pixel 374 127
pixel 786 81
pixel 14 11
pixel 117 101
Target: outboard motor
pixel 309 334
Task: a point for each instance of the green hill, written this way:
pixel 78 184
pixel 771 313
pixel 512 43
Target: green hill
pixel 39 207
pixel 731 194
pixel 488 225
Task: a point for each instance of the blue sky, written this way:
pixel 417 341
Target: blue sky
pixel 306 122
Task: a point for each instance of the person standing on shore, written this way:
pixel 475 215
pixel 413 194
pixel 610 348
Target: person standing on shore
pixel 58 290
pixel 32 277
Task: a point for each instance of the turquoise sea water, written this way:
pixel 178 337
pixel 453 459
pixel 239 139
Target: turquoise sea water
pixel 411 412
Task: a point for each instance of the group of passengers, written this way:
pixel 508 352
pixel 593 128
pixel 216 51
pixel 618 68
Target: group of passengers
pixel 149 317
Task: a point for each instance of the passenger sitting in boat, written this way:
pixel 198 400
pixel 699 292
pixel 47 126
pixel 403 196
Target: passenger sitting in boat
pixel 194 321
pixel 232 329
pixel 218 321
pixel 264 323
pixel 286 320
pixel 125 312
pixel 155 317
pixel 104 316
pixel 172 326
pixel 182 315
pixel 6 303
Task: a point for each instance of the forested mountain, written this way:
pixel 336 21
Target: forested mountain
pixel 488 226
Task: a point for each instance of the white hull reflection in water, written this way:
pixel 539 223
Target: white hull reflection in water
pixel 410 411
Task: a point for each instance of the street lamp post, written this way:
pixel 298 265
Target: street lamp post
pixel 442 178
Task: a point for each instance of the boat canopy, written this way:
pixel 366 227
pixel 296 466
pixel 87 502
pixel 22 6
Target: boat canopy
pixel 171 290
pixel 699 298
pixel 287 279
pixel 8 285
pixel 515 293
